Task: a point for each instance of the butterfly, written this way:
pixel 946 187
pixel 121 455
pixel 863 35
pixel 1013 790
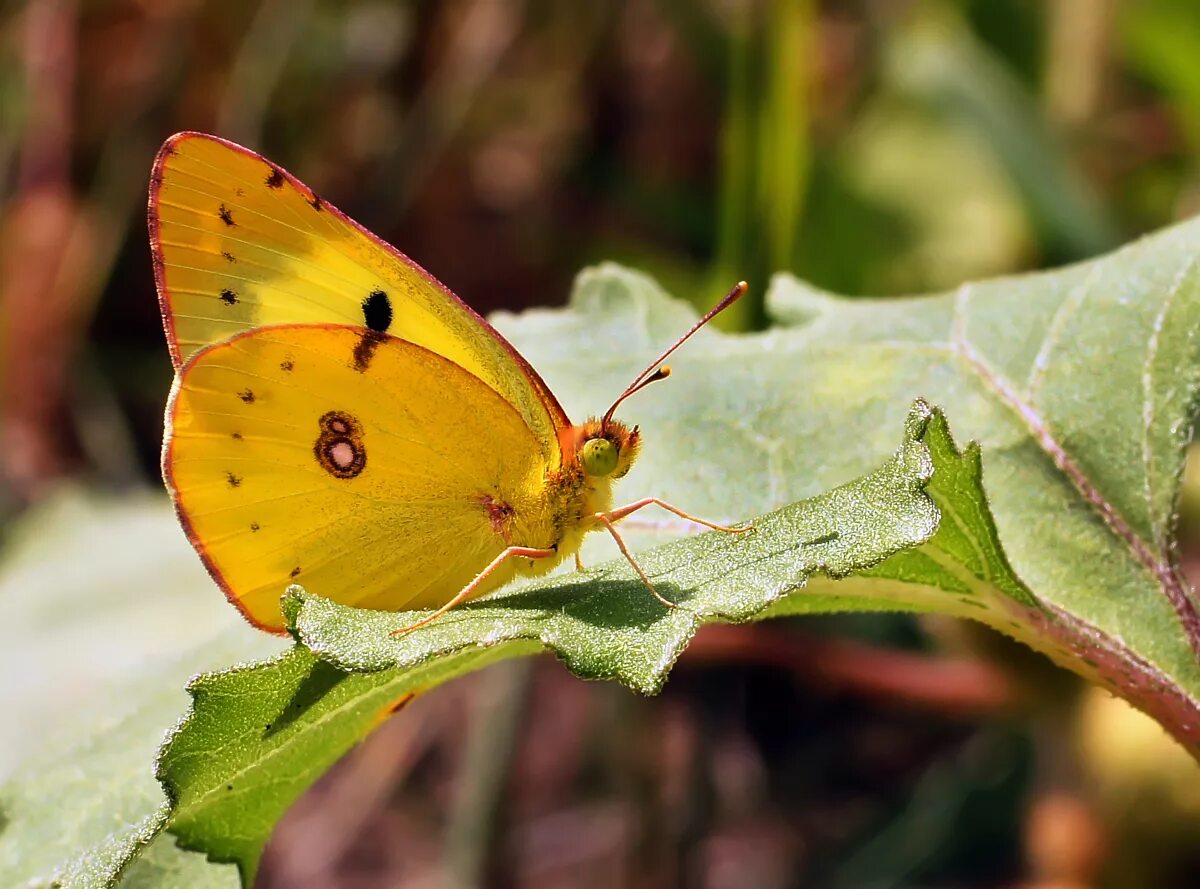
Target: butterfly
pixel 342 420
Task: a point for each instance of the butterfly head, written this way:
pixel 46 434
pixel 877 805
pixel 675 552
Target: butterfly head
pixel 606 448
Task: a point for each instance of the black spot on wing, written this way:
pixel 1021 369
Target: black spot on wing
pixel 226 216
pixel 247 395
pixel 295 572
pixel 275 179
pixel 377 311
pixel 229 257
pixel 228 297
pixel 254 526
pixel 315 202
pixel 377 316
pixel 287 365
pixel 233 480
pixel 237 436
pixel 364 349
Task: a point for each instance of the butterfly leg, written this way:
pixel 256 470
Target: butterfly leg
pixel 617 514
pixel 578 562
pixel 522 552
pixel 612 529
pixel 610 518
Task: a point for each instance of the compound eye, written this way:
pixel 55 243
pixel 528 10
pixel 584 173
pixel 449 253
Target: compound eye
pixel 599 456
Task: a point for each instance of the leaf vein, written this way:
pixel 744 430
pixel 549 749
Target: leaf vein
pixel 1160 569
pixel 1148 403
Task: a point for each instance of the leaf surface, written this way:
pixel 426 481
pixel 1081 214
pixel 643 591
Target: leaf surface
pixel 1078 386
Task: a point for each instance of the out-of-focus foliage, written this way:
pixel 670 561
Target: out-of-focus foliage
pixel 868 147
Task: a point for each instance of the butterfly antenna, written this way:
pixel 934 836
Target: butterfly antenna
pixel 657 371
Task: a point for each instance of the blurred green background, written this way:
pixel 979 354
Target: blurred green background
pixel 872 147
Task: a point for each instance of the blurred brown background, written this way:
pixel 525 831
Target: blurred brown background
pixel 871 147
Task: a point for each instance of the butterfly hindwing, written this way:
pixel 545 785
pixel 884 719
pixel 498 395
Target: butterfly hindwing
pixel 239 243
pixel 289 462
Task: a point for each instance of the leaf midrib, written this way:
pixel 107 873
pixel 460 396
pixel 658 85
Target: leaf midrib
pixel 1162 572
pixel 958 346
pixel 201 800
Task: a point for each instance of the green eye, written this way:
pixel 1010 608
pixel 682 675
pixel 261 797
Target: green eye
pixel 599 456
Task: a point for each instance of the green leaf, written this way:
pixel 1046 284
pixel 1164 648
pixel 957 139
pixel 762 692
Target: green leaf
pixel 1079 386
pixel 277 726
pixel 605 625
pixel 1057 528
pixel 258 736
pixel 96 665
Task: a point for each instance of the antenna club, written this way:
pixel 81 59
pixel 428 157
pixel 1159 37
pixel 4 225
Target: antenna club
pixel 654 372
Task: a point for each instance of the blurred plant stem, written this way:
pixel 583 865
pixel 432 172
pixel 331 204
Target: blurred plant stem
pixel 765 150
pixel 782 127
pixel 964 687
pixel 258 68
pixel 951 793
pixel 494 731
pixel 1078 55
pixel 324 827
pixel 481 32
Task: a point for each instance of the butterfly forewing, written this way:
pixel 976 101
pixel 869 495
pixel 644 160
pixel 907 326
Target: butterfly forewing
pixel 239 243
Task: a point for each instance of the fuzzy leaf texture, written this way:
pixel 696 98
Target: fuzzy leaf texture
pixel 1057 528
pixel 258 737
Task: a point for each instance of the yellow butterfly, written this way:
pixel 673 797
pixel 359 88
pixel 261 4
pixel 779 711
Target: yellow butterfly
pixel 340 419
